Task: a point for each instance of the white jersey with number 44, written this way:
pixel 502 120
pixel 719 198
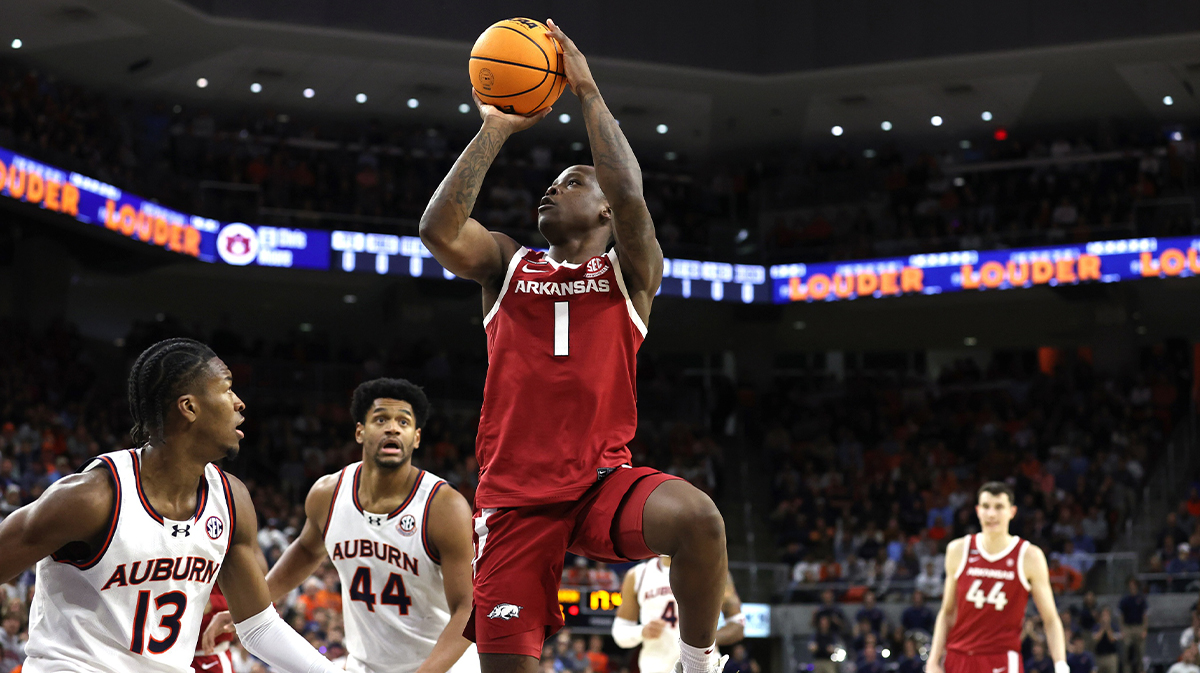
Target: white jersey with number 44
pixel 393 599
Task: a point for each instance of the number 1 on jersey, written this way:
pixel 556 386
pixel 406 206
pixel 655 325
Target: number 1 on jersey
pixel 562 329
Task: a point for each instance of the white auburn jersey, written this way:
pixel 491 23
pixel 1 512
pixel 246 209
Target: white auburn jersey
pixel 656 601
pixel 393 601
pixel 137 602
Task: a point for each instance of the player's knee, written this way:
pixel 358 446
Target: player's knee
pixel 702 520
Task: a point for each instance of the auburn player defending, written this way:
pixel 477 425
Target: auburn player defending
pixel 649 617
pixel 559 404
pixel 989 578
pixel 128 548
pixel 400 539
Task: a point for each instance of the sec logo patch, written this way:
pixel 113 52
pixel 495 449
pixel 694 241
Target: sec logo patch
pixel 407 525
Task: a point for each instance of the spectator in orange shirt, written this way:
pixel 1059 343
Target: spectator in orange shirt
pixel 316 597
pixel 596 655
pixel 1064 579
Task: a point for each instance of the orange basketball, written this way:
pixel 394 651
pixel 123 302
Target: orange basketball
pixel 517 66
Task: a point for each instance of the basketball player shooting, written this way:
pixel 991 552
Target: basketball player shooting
pixel 559 403
pixel 989 579
pixel 128 548
pixel 400 539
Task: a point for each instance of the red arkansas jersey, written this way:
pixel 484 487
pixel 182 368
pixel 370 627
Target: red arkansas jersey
pixel 991 595
pixel 560 400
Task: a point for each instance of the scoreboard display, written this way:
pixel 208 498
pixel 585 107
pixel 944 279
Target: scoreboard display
pixel 589 611
pixel 593 612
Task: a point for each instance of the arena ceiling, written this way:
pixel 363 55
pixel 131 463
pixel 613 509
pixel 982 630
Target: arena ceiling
pixel 773 73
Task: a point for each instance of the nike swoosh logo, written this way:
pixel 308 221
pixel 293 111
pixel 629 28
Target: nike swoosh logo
pixel 529 270
pixel 209 665
pixel 1000 670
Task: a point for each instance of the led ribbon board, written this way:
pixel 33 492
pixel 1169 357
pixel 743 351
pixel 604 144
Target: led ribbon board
pixel 239 244
pixel 976 271
pixel 94 202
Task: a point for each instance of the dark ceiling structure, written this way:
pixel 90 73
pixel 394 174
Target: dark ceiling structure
pixel 755 36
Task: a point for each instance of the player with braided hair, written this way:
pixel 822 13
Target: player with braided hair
pixel 128 549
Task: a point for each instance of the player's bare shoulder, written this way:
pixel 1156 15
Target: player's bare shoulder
pixel 320 497
pixel 79 505
pixel 955 550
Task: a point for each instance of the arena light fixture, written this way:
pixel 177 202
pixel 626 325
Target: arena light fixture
pixel 671 156
pixel 1176 136
pixel 464 108
pixel 413 103
pixel 1167 100
pixel 256 88
pixel 309 93
pixel 959 181
pixel 886 125
pixel 964 144
pixel 564 118
pixel 350 298
pixel 869 153
pixel 970 341
pixel 360 98
pixel 17 43
pixel 837 130
pixel 986 116
pixel 202 82
pixel 661 128
pixel 936 120
pixel 577 146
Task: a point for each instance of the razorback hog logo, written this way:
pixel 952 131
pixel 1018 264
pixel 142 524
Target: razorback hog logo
pixel 505 611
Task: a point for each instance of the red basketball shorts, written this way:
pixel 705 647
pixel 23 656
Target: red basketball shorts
pixel 219 662
pixel 519 554
pixel 1003 662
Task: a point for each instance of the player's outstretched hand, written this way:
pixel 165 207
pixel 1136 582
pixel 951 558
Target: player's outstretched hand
pixel 579 75
pixel 221 623
pixel 514 123
pixel 653 629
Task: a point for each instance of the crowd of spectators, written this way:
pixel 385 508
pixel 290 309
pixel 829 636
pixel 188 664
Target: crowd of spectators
pixel 276 167
pixel 875 474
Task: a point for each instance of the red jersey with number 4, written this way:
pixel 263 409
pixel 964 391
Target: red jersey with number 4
pixel 991 596
pixel 560 401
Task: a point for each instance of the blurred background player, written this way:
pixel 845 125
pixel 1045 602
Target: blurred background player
pixel 989 578
pixel 127 545
pixel 648 616
pixel 400 539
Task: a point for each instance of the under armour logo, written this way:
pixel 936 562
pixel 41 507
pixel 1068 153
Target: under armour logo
pixel 375 520
pixel 186 530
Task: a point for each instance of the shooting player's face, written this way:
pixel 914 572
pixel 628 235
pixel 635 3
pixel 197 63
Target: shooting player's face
pixel 573 202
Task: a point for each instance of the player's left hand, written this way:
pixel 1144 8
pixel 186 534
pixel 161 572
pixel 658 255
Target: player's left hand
pixel 579 75
pixel 221 623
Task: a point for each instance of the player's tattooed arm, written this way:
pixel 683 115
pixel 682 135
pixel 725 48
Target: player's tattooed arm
pixel 461 244
pixel 620 178
pixel 449 528
pixel 75 509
